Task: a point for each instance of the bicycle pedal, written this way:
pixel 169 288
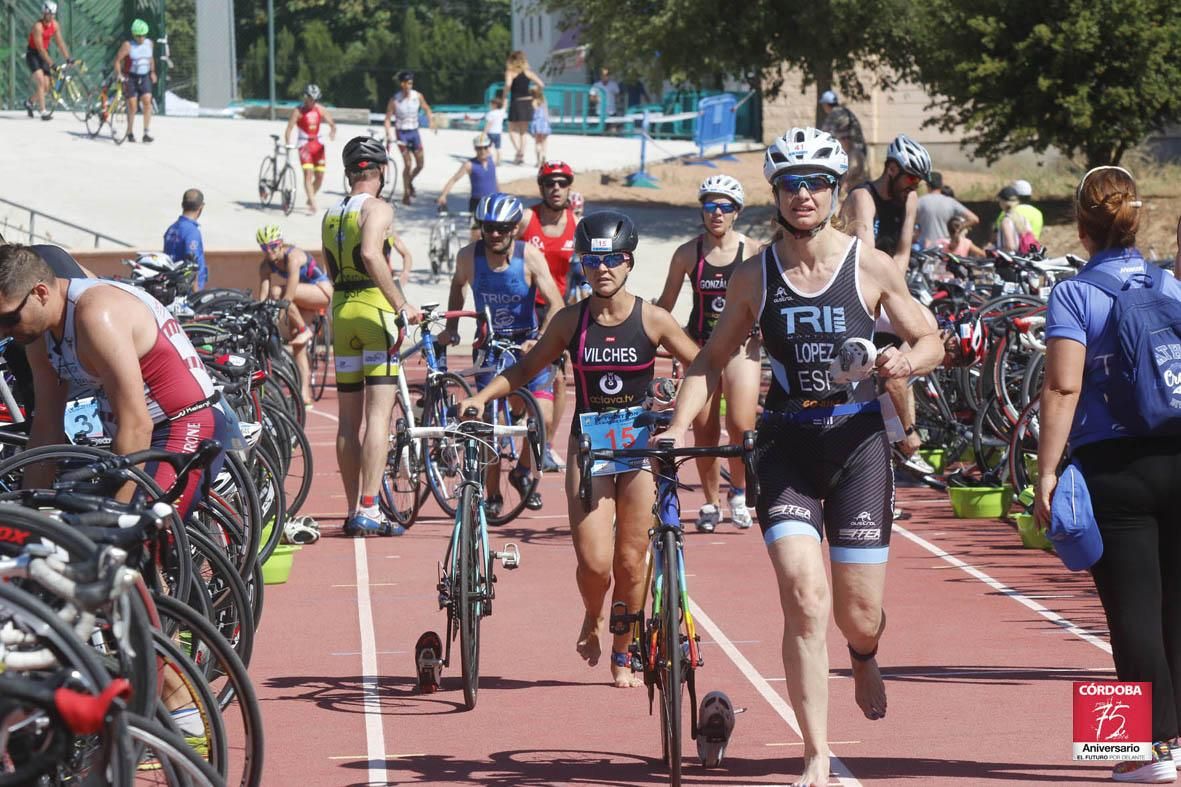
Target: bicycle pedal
pixel 622 622
pixel 510 557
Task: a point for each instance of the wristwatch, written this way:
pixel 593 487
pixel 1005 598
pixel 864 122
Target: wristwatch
pixel 910 430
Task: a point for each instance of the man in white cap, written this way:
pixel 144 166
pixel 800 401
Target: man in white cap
pixel 844 125
pixel 1031 214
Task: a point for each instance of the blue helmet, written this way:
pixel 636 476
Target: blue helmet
pixel 500 209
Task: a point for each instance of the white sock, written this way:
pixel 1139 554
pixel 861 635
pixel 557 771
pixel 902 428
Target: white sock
pixel 189 721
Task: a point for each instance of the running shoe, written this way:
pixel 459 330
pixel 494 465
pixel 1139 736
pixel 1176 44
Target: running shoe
pixel 130 137
pixel 148 137
pixel 29 106
pixel 739 513
pixel 361 525
pixel 550 461
pixel 708 517
pixel 521 479
pixel 918 464
pixel 1159 770
pixel 46 116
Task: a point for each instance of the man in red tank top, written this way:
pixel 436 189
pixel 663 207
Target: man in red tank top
pixel 37 56
pixel 308 117
pixel 549 225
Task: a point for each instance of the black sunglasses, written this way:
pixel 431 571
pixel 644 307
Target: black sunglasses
pixel 10 318
pixel 492 226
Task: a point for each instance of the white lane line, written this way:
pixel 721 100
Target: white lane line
pixel 323 414
pixel 374 732
pixel 844 776
pixel 1005 590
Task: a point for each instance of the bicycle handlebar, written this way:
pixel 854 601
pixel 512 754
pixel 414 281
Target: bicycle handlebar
pixel 183 464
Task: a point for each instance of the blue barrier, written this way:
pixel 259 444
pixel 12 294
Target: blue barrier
pixel 716 116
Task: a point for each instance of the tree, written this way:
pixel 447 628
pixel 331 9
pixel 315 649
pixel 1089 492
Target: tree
pixel 1085 76
pixel 700 41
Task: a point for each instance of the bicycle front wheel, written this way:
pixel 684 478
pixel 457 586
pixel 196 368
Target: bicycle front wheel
pixel 266 180
pixel 75 98
pixel 671 664
pixel 117 120
pixel 509 478
pixel 287 189
pixel 469 610
pixel 443 456
pixel 401 483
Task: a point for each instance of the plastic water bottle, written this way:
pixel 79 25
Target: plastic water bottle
pixel 894 430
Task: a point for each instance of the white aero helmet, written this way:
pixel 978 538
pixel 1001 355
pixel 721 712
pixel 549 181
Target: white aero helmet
pixel 910 155
pixel 149 264
pixel 805 148
pixel 723 185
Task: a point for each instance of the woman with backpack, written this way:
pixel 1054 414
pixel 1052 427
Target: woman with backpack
pixel 1111 402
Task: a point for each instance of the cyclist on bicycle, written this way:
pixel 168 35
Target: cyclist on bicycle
pixel 309 292
pixel 481 172
pixel 504 275
pixel 612 338
pixel 119 344
pixel 403 108
pixel 365 307
pixel 312 156
pixel 882 214
pixel 824 460
pixel 135 66
pixel 549 225
pixel 708 261
pixel 45 29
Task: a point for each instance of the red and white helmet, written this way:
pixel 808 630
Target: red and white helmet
pixel 576 201
pixel 555 168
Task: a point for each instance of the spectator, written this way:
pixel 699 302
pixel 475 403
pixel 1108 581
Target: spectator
pixel 1013 233
pixel 935 211
pixel 637 96
pixel 1025 195
pixel 1133 553
pixel 494 123
pixel 518 78
pixel 957 241
pixel 844 125
pixel 182 241
pixel 610 90
pixel 539 127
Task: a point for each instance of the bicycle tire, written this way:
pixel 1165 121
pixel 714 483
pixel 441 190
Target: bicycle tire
pixel 175 760
pixel 468 609
pixel 286 184
pixel 117 120
pixel 170 657
pixel 266 180
pixel 229 605
pixel 522 401
pixel 271 500
pixel 670 646
pixel 401 485
pixel 95 113
pixel 296 445
pixel 319 358
pixel 194 634
pixel 75 99
pixel 443 456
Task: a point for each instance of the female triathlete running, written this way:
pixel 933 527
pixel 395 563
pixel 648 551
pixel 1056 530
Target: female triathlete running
pixel 824 460
pixel 309 292
pixel 708 261
pixel 612 338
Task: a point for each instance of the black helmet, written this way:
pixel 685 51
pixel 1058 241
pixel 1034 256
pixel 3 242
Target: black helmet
pixel 405 76
pixel 605 231
pixel 360 152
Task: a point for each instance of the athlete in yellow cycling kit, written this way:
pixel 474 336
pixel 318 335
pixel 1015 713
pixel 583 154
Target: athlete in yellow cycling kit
pixel 355 235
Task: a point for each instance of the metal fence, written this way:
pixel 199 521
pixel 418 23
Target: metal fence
pixel 22 224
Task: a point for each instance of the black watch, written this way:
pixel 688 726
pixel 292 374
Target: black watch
pixel 910 430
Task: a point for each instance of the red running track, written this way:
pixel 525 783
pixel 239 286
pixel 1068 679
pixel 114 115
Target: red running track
pixel 984 640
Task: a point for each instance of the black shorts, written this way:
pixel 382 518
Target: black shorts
pixel 136 85
pixel 835 479
pixel 520 110
pixel 471 208
pixel 36 62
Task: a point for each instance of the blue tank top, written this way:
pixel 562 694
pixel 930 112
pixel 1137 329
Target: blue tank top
pixel 483 178
pixel 505 293
pixel 309 272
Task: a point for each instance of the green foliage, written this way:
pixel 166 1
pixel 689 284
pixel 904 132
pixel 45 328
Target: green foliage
pixel 353 49
pixel 1093 77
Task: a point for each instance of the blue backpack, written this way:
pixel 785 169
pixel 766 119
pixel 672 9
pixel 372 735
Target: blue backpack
pixel 1144 389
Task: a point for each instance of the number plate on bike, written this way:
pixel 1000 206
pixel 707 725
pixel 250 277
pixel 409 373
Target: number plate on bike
pixel 614 430
pixel 82 418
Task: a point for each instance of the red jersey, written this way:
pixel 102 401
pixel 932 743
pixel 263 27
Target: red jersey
pixel 558 249
pixel 47 31
pixel 309 122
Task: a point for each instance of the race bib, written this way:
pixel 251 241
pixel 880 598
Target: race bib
pixel 615 430
pixel 82 419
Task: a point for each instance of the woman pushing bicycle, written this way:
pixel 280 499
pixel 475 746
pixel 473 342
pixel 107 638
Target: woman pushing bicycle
pixel 612 338
pixel 827 468
pixel 309 291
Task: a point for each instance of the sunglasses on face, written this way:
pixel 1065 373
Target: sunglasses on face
pixel 11 318
pixel 814 182
pixel 609 261
pixel 911 180
pixel 560 183
pixel 724 207
pixel 493 228
pixel 270 246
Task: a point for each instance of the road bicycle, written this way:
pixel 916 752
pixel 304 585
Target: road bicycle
pixel 665 646
pixel 320 353
pixel 66 90
pixel 277 176
pixel 446 240
pixel 467 582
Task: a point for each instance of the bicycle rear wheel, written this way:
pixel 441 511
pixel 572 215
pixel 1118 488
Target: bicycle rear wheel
pixel 469 610
pixel 287 189
pixel 401 482
pixel 671 674
pixel 266 180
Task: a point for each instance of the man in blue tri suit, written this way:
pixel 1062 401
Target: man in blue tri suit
pixel 505 275
pixel 182 240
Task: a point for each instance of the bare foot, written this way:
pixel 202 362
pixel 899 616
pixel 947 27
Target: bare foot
pixel 815 772
pixel 869 690
pixel 588 640
pixel 624 678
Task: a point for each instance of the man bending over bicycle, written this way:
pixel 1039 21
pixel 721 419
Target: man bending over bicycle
pixel 120 344
pixel 505 275
pixel 309 292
